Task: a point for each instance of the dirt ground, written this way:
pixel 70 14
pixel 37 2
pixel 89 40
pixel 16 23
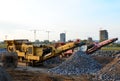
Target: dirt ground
pixel 18 75
pixel 27 75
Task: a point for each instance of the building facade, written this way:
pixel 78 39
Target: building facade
pixel 103 35
pixel 62 37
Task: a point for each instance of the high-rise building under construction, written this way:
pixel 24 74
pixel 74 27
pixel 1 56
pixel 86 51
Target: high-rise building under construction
pixel 103 35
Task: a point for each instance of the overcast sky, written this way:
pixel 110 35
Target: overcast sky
pixel 78 18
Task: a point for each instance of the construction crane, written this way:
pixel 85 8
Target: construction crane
pixel 6 36
pixel 48 32
pixel 35 31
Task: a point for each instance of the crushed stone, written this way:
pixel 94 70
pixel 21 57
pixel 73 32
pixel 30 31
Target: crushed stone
pixel 111 72
pixel 78 63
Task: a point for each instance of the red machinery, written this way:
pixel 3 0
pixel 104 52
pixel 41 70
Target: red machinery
pixel 96 46
pixel 91 48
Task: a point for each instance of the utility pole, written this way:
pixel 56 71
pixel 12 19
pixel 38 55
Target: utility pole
pixel 48 34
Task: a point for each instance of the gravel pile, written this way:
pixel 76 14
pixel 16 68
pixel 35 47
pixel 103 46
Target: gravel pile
pixel 78 63
pixel 4 76
pixel 53 61
pixel 111 72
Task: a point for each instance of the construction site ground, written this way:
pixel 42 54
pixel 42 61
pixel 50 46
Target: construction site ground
pixel 27 73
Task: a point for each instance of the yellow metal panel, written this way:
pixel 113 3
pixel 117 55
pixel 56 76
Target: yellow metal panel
pixel 33 57
pixel 38 51
pixel 20 54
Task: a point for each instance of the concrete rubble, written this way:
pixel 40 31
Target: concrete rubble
pixel 78 63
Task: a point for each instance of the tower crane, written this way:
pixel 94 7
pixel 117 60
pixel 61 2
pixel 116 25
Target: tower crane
pixel 35 31
pixel 48 33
